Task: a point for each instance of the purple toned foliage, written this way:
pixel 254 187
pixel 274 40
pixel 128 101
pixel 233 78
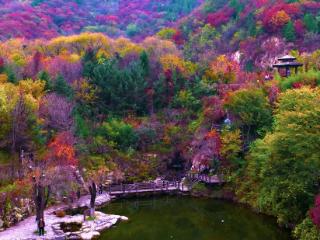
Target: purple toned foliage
pixel 70 71
pixel 56 112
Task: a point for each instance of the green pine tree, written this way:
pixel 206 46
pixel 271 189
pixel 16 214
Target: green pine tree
pixel 144 61
pixel 252 27
pixel 11 75
pixel 44 76
pixel 237 6
pixel 310 22
pixel 89 61
pixel 62 87
pixel 289 32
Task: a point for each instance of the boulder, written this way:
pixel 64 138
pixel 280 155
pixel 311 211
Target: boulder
pixel 18 217
pixel 89 235
pixel 123 218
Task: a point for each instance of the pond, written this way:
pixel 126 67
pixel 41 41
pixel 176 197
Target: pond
pixel 186 218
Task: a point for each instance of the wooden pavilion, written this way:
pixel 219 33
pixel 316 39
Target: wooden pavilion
pixel 286 64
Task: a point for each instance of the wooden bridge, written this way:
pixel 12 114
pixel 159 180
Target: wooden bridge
pixel 161 186
pixel 146 187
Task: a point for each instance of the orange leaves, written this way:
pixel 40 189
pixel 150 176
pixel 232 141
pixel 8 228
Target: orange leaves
pixel 279 14
pixel 223 70
pixel 3 78
pixel 171 63
pixel 280 19
pixel 61 149
pixel 212 134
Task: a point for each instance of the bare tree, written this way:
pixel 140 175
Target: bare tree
pixel 41 183
pixel 19 131
pixel 91 188
pixel 41 196
pixel 93 195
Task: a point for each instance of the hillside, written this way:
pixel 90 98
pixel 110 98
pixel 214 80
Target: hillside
pixel 47 19
pixel 165 90
pixel 254 31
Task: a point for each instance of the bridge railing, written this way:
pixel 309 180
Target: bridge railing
pixel 214 179
pixel 144 186
pixel 161 185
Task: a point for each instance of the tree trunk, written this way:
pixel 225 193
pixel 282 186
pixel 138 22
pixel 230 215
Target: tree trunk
pixel 93 194
pixel 41 200
pixel 13 146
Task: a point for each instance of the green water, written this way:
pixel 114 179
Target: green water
pixel 184 218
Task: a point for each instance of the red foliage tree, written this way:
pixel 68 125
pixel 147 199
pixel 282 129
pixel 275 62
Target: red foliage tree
pixel 1 63
pixel 178 38
pixel 61 149
pixel 213 109
pixel 206 149
pixel 277 15
pixel 315 212
pixel 220 17
pixel 297 85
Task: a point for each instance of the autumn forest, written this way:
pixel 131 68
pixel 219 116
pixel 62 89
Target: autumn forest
pixel 94 94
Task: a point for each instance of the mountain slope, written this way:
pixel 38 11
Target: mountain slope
pixel 47 19
pixel 259 29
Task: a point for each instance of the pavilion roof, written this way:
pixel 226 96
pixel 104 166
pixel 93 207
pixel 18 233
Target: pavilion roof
pixel 287 58
pixel 288 64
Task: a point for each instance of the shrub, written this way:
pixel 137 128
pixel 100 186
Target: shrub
pixel 306 230
pixel 60 213
pixel 311 77
pixel 121 134
pixel 186 100
pixel 166 33
pixel 199 189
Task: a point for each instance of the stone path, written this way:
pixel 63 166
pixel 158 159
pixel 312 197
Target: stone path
pixel 25 230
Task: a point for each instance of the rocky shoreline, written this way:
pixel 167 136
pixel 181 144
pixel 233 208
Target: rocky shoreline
pixel 89 229
pixel 26 229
